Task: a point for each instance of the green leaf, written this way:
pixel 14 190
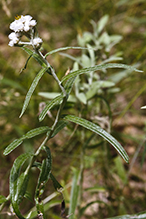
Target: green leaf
pixel 52 103
pixel 43 178
pixel 15 171
pixel 22 183
pixel 96 85
pixel 49 95
pixel 32 88
pixel 85 38
pixel 61 124
pixel 57 100
pixel 98 67
pixel 69 84
pixel 52 95
pixel 37 58
pixel 18 184
pixel 33 212
pixel 3 199
pixel 98 130
pixel 45 172
pixel 81 97
pixel 96 189
pixel 86 61
pixel 101 23
pixel 74 193
pixel 30 134
pixel 12 146
pixel 141 215
pixel 62 49
pixel 34 132
pixel 46 167
pixel 56 184
pixel 120 170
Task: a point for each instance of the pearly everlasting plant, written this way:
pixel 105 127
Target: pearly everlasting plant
pixel 26 26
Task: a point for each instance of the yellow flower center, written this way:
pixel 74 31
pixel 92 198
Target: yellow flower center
pixel 17 17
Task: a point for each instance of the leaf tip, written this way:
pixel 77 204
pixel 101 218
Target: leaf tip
pixel 40 118
pixel 21 114
pixel 138 70
pixel 4 153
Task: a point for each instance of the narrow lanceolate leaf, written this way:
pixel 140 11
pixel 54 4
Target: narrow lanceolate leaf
pixel 46 167
pixel 15 171
pixel 57 100
pixel 43 178
pixel 62 49
pixel 98 130
pixel 32 88
pixel 56 184
pixel 98 67
pixel 18 183
pixel 12 146
pixel 36 57
pixel 49 106
pixel 74 193
pixel 22 183
pixel 32 133
pixel 69 84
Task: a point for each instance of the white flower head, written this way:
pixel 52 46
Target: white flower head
pixel 22 23
pixel 37 42
pixel 14 38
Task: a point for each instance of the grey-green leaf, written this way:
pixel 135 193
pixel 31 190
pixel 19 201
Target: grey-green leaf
pixel 32 88
pixel 98 130
pixel 98 67
pixel 36 57
pixel 52 103
pixel 30 134
pixel 63 48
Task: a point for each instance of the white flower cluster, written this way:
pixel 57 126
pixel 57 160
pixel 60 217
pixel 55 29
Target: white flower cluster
pixel 24 25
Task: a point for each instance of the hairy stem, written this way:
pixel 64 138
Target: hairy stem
pixel 52 72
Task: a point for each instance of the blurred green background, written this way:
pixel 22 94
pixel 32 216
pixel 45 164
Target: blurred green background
pixel 59 22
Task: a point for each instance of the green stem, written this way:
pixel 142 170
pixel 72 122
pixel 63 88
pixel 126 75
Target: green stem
pixel 52 72
pixel 35 155
pixel 81 177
